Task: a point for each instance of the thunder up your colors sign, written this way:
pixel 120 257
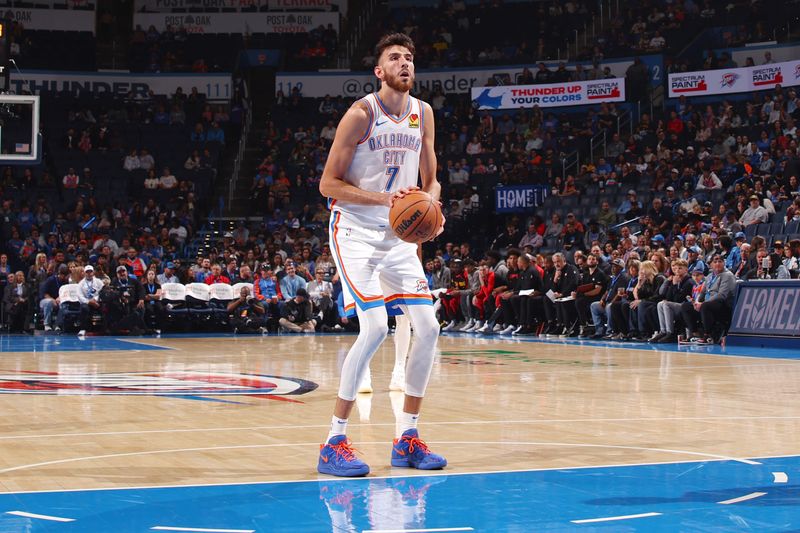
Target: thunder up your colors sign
pixel 550 94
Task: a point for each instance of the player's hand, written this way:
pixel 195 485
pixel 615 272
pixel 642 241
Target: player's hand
pixel 400 194
pixel 441 228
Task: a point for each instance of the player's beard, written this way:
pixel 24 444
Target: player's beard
pixel 399 84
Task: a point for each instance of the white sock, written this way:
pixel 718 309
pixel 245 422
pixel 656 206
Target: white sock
pixel 338 427
pixel 405 422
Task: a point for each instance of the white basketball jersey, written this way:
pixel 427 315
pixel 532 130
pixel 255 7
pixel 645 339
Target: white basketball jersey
pixel 386 158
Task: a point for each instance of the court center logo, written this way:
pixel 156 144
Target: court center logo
pixel 179 384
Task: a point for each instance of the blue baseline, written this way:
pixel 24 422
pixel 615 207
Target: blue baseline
pixel 685 495
pixel 71 343
pixel 737 351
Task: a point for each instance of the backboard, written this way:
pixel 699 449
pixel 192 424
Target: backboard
pixel 20 140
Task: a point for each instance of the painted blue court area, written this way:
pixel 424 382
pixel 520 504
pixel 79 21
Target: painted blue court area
pixel 715 496
pixel 792 352
pixel 71 343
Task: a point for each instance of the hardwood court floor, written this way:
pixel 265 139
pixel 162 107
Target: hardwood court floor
pixel 493 405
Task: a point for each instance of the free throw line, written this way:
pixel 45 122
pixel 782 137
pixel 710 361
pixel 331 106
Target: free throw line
pixel 612 518
pixel 751 496
pixel 40 516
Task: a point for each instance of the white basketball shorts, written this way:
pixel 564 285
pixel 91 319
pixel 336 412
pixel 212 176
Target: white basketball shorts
pixel 375 266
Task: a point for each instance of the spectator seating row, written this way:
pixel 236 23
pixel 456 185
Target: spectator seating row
pixel 194 303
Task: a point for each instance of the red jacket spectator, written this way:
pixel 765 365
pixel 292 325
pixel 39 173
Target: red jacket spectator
pixel 675 124
pixel 212 279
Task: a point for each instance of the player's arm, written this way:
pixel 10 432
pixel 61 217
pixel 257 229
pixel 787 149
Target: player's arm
pixel 427 159
pixel 332 185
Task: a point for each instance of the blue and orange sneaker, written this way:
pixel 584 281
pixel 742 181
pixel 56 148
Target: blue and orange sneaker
pixel 338 458
pixel 411 452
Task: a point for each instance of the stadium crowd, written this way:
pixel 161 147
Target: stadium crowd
pixel 647 243
pixel 643 243
pixel 106 187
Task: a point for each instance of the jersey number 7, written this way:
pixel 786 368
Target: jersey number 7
pixel 392 173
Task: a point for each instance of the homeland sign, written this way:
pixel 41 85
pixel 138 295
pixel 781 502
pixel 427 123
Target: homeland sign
pixel 767 308
pixel 278 22
pixel 49 19
pixel 519 198
pixel 214 86
pixel 734 80
pixel 550 95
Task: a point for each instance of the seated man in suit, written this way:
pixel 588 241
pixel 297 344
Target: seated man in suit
pixel 15 302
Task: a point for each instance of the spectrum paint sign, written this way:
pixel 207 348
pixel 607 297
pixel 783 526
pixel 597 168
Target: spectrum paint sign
pixel 734 80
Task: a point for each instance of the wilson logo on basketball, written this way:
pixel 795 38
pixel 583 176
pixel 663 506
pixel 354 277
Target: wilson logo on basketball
pixel 181 384
pixel 406 222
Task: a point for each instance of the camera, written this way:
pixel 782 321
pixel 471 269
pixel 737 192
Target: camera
pixel 765 263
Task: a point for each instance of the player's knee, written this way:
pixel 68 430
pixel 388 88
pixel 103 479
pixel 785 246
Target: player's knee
pixel 427 330
pixel 376 332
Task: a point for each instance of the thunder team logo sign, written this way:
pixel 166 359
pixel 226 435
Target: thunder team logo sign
pixel 179 384
pixel 729 79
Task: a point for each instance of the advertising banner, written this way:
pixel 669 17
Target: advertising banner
pixel 519 198
pixel 275 22
pixel 315 5
pixel 52 4
pixel 451 80
pixel 215 86
pixel 734 80
pixel 166 6
pixel 550 95
pixel 769 308
pixel 154 6
pixel 49 19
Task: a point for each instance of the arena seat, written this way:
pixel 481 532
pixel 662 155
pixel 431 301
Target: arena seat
pixel 197 300
pixel 70 307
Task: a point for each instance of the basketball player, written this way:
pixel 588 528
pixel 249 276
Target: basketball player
pixel 383 144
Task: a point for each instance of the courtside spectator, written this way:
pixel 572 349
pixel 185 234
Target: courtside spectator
pixel 89 296
pixel 49 302
pixel 297 314
pixel 715 306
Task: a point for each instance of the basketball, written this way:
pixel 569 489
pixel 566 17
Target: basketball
pixel 415 217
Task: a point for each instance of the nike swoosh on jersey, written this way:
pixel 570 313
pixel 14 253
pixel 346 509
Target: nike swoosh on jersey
pixel 380 123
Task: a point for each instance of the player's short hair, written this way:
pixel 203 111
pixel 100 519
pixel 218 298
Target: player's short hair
pixel 394 39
